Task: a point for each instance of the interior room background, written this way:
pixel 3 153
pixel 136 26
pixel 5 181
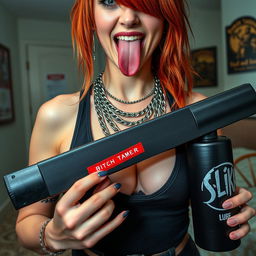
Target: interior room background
pixel 18 32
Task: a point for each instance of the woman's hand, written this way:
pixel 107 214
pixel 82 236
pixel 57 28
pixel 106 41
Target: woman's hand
pixel 240 200
pixel 80 226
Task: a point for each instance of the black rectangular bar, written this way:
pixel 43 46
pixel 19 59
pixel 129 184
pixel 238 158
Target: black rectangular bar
pixel 57 174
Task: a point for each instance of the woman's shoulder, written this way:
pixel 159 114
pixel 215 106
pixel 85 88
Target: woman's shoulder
pixel 58 110
pixel 54 124
pixel 194 97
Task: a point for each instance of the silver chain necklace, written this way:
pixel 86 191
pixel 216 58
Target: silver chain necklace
pixel 111 116
pixel 129 102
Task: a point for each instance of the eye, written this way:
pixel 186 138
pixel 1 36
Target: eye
pixel 108 3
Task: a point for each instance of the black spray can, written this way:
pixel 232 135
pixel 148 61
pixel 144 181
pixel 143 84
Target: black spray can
pixel 212 181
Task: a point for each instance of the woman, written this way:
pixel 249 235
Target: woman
pixel 147 68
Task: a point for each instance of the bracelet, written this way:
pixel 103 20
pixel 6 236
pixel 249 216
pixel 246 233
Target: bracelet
pixel 42 243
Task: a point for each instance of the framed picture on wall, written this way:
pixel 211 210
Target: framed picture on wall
pixel 204 62
pixel 6 97
pixel 241 45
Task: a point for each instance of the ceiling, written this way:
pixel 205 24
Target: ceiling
pixel 59 10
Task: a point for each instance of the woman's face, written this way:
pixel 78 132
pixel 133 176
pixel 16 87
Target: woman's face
pixel 128 37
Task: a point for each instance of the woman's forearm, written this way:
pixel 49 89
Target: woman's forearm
pixel 28 231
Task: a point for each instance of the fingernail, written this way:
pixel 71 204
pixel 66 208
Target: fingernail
pixel 234 236
pixel 232 222
pixel 227 205
pixel 125 214
pixel 117 186
pixel 102 174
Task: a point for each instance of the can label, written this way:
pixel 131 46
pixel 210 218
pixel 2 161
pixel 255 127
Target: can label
pixel 219 182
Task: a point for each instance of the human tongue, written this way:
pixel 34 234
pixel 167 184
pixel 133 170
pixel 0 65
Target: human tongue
pixel 129 56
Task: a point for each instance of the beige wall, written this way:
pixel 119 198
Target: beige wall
pixel 12 142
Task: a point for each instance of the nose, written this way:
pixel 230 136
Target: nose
pixel 128 17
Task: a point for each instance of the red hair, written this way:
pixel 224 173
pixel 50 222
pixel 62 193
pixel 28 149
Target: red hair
pixel 171 58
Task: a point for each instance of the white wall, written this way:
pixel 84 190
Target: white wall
pixel 206 28
pixel 231 10
pixel 12 142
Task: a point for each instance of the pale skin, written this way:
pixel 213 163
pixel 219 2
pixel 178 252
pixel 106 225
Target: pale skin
pixel 80 226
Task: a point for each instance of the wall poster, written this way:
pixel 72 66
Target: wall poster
pixel 241 45
pixel 204 62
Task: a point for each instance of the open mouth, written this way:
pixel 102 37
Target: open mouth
pixel 129 38
pixel 129 48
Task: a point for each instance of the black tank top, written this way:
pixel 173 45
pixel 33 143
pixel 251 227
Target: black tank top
pixel 156 222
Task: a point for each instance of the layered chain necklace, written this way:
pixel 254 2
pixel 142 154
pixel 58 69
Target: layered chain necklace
pixel 111 116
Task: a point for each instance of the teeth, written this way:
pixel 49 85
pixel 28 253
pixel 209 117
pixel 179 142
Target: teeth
pixel 129 38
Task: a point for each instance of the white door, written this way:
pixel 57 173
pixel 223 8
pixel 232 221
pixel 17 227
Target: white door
pixel 52 71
